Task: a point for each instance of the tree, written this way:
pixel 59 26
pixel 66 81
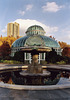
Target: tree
pixel 10 40
pixel 19 56
pixel 66 52
pixel 5 50
pixel 63 44
pixel 51 56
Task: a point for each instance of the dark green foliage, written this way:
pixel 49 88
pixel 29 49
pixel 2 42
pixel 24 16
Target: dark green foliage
pixel 10 62
pixel 19 56
pixel 66 59
pixel 52 57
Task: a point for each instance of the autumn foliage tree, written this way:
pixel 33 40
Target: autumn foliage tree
pixel 10 40
pixel 5 46
pixel 5 50
pixel 63 44
pixel 66 52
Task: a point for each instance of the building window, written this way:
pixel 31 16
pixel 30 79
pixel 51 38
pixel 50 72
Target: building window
pixel 28 57
pixel 41 57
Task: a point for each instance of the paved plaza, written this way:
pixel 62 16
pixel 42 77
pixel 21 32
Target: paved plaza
pixel 9 94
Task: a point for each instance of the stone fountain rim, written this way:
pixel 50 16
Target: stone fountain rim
pixel 30 87
pixel 26 66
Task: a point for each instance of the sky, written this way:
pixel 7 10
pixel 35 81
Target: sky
pixel 52 15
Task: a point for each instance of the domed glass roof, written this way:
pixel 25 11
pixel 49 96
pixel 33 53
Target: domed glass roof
pixel 35 39
pixel 19 42
pixel 43 41
pixel 35 30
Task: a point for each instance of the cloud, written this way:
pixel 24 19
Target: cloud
pixel 52 7
pixel 29 7
pixel 21 12
pixel 63 35
pixel 4 30
pixel 0 28
pixel 64 38
pixel 24 24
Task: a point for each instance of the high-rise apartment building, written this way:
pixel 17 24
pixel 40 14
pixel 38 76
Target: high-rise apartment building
pixel 13 29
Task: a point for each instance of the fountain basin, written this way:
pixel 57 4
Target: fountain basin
pixel 5 74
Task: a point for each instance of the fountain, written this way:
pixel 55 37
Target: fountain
pixel 34 75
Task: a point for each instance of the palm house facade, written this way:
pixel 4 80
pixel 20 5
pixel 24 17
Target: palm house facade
pixel 35 39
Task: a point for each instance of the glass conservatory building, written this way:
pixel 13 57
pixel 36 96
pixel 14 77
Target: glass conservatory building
pixel 35 38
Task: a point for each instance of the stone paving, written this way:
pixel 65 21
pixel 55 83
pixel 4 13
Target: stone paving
pixel 9 94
